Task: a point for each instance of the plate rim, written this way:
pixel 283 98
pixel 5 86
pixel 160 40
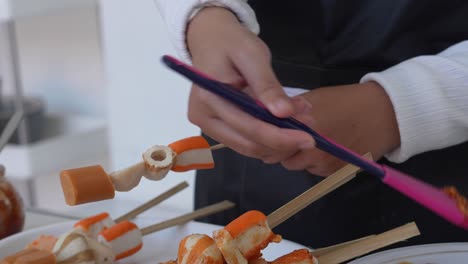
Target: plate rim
pixel 14 241
pixel 413 251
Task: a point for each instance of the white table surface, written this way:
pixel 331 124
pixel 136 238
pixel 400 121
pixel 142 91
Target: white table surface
pixel 36 219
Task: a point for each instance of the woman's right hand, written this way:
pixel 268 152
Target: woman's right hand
pixel 227 51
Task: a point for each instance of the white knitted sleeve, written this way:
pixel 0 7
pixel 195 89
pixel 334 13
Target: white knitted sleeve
pixel 177 14
pixel 430 99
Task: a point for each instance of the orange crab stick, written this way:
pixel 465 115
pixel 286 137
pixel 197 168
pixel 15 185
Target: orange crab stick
pixel 43 242
pixel 125 239
pixel 198 249
pixel 300 256
pixel 30 256
pixel 243 238
pixel 93 225
pixel 192 153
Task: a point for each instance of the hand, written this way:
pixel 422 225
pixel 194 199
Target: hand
pixel 224 49
pixel 359 117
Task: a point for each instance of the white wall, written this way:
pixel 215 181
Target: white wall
pixel 61 61
pixel 60 55
pixel 4 9
pixel 147 103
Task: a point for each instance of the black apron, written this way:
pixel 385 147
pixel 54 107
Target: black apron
pixel 321 43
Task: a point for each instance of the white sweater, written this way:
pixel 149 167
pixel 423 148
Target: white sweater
pixel 429 93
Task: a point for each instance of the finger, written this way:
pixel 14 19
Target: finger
pixel 303 111
pixel 221 132
pixel 221 68
pixel 260 132
pixel 254 64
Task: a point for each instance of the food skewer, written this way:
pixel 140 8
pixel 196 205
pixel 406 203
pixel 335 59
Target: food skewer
pixel 121 240
pixel 92 183
pixel 93 225
pixel 348 250
pixel 324 187
pixel 243 238
pixel 369 244
pixel 198 248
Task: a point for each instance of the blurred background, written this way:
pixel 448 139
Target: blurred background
pixel 88 75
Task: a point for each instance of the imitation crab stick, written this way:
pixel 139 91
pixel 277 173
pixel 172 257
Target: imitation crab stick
pixel 92 183
pixel 93 225
pixel 125 239
pixel 198 249
pixel 30 256
pixel 243 238
pixel 191 154
pixel 300 256
pixel 43 242
pixel 76 245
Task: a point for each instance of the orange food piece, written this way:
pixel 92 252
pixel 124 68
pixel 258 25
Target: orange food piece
pixel 118 230
pixel 30 256
pixel 123 230
pixel 244 222
pixel 196 166
pixel 197 254
pixel 129 252
pixel 86 184
pixel 192 153
pixel 462 202
pixel 12 258
pixel 189 143
pixel 87 222
pixel 44 242
pixel 297 256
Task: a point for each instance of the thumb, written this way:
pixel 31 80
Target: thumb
pixel 264 85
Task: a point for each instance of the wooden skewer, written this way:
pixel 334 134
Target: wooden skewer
pixel 324 187
pixel 322 251
pixel 205 211
pixel 136 172
pixel 10 128
pixel 369 244
pixel 142 208
pixel 218 146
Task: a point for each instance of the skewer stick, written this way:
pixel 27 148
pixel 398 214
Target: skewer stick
pixel 325 250
pixel 218 146
pixel 142 208
pixel 324 187
pixel 369 244
pixel 205 211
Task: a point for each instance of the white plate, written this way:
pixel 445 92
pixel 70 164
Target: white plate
pixel 157 247
pixel 446 253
